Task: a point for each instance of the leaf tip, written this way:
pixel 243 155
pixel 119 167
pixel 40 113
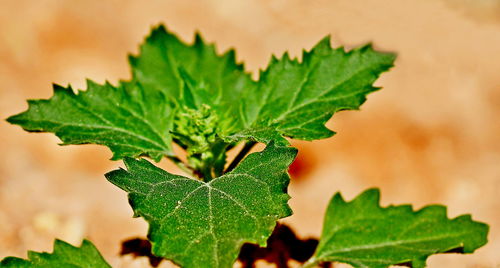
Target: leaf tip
pixel 327 40
pixel 58 89
pixel 15 119
pixel 385 56
pixel 198 39
pixel 159 29
pixel 337 199
pixel 113 175
pixel 323 44
pixel 370 196
pixel 92 84
pixel 132 60
pixel 60 245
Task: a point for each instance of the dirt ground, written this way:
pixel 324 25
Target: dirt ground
pixel 432 135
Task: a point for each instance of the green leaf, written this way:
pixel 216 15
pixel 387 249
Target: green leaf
pixel 295 99
pixel 129 120
pixel 199 224
pixel 64 255
pixel 206 88
pixel 192 75
pixel 291 99
pixel 363 234
pixel 206 102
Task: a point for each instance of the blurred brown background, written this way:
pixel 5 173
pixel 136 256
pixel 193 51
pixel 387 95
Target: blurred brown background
pixel 430 136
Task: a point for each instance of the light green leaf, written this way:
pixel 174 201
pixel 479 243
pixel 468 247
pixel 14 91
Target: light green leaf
pixel 64 255
pixel 363 234
pixel 204 224
pixel 129 120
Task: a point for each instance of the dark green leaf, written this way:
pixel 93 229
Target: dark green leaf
pixel 64 255
pixel 199 224
pixel 363 234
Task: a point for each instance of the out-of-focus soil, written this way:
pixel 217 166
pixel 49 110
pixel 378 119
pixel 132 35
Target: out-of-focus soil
pixel 430 136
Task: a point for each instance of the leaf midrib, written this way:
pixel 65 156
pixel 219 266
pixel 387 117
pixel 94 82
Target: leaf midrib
pixel 114 128
pixel 328 90
pixel 391 243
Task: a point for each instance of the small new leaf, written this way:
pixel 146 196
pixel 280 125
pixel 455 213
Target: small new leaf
pixel 129 120
pixel 204 224
pixel 64 255
pixel 363 234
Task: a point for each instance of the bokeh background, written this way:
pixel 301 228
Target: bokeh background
pixel 432 135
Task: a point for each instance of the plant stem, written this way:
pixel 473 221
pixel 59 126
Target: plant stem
pixel 244 151
pixel 310 263
pixel 183 166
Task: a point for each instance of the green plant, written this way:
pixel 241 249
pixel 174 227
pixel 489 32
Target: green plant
pixel 207 104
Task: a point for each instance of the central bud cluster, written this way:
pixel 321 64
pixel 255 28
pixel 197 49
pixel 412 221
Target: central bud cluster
pixel 196 131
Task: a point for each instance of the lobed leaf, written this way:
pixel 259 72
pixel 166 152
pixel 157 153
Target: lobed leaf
pixel 64 255
pixel 193 75
pixel 129 120
pixel 363 234
pixel 295 99
pixel 290 99
pixel 204 224
pixel 174 82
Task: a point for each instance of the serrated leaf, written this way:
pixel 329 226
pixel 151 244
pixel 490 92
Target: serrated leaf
pixel 129 120
pixel 64 255
pixel 204 224
pixel 290 99
pixel 363 234
pixel 193 74
pixel 295 99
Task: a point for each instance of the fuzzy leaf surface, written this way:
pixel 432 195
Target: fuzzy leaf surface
pixel 64 255
pixel 129 120
pixel 204 224
pixel 363 234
